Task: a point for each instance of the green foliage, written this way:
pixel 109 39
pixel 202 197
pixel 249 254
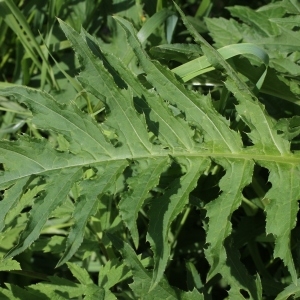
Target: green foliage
pixel 136 184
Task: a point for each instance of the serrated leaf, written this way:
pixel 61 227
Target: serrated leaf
pixel 291 290
pixel 128 154
pixel 155 110
pixel 69 121
pixel 99 81
pixel 292 6
pixel 240 279
pixel 143 278
pixel 286 41
pixel 15 292
pixel 170 90
pixel 11 197
pixel 80 274
pixel 112 273
pixel 9 264
pixel 43 207
pixel 271 141
pixel 57 287
pixel 220 210
pixel 87 204
pixel 166 208
pixel 249 108
pixel 225 32
pixel 257 19
pixel 286 194
pixel 146 178
pixel 94 292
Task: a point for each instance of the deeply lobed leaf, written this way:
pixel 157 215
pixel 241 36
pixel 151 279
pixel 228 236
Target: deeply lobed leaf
pixel 149 138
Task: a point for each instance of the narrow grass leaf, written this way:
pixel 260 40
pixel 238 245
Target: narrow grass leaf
pixel 152 24
pixel 17 21
pixel 203 8
pixel 193 277
pixel 202 65
pixel 178 52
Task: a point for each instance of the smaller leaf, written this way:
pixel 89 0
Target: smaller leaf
pixel 170 27
pixel 56 287
pixel 151 24
pixel 11 198
pixel 178 52
pixel 224 32
pixel 15 292
pixel 193 277
pixel 94 292
pixel 282 209
pixel 112 273
pixel 256 19
pixel 147 177
pixel 292 6
pixel 9 265
pixel 290 127
pixel 142 277
pixel 202 65
pixel 166 208
pixel 43 208
pixel 293 290
pixel 86 205
pixel 237 276
pixel 80 274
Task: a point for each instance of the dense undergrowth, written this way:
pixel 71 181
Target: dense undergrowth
pixel 149 150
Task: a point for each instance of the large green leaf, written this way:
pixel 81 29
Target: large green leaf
pixel 142 135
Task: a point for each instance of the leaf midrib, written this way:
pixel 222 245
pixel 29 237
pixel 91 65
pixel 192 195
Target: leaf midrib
pixel 287 159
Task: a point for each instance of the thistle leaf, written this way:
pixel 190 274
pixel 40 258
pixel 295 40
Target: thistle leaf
pixel 148 125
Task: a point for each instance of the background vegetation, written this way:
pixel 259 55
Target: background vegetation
pixel 35 52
